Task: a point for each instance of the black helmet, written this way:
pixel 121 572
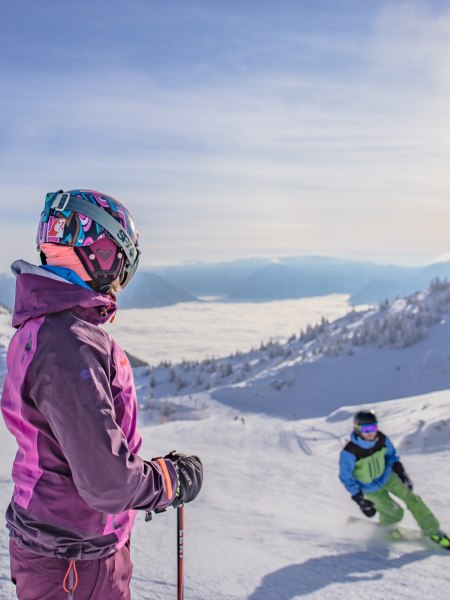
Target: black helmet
pixel 365 417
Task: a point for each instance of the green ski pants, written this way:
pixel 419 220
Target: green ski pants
pixel 391 512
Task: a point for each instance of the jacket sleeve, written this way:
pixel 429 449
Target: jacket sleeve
pixel 71 388
pixel 391 455
pixel 346 467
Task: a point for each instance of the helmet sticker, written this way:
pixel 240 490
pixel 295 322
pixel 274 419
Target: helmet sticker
pixel 55 228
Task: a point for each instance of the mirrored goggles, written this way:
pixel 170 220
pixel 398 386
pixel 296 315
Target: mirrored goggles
pixel 128 270
pixel 372 428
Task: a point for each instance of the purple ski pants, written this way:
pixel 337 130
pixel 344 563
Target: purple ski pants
pixel 40 577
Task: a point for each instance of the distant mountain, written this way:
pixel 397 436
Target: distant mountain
pixel 135 361
pixel 217 279
pixel 377 290
pixel 147 290
pixel 262 280
pixel 399 282
pixel 365 282
pixel 440 270
pixel 281 281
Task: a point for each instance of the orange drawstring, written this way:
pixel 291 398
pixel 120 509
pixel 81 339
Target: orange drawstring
pixel 73 566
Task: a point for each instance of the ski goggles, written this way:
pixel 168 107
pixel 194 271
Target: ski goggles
pixel 372 428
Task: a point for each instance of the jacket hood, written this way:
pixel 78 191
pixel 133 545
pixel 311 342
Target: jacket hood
pixel 40 292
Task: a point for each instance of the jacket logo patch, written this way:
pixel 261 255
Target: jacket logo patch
pixel 123 362
pixel 104 254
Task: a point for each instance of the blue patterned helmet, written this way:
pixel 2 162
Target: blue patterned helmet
pixel 79 218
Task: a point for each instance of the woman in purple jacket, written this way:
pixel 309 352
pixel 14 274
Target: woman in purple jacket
pixel 69 399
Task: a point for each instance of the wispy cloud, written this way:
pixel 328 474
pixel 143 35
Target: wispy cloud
pixel 349 157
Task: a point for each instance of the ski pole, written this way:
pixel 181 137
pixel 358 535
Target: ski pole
pixel 180 549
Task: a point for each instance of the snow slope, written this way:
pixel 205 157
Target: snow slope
pixel 270 521
pixel 394 351
pixel 269 524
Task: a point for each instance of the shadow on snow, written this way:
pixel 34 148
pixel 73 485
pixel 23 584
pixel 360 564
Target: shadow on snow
pixel 317 573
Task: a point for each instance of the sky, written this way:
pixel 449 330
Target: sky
pixel 233 129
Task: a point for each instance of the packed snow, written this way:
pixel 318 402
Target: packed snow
pixel 270 522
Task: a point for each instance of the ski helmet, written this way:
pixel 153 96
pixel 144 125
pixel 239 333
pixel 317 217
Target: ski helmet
pixel 81 218
pixel 364 417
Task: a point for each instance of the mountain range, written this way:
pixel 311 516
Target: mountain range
pixel 298 277
pixel 263 280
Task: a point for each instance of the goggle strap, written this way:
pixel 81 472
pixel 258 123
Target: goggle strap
pixel 64 201
pixel 48 204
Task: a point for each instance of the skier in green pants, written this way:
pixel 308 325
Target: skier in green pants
pixel 371 471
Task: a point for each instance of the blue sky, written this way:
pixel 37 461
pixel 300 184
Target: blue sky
pixel 233 128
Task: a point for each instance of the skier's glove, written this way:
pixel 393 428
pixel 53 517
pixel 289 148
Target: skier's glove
pixel 399 469
pixel 407 481
pixel 190 477
pixel 366 506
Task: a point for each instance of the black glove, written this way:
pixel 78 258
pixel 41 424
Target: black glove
pixel 190 477
pixel 366 506
pixel 399 470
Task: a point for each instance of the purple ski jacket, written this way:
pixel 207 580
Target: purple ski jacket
pixel 70 401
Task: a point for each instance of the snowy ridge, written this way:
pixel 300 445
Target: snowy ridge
pixel 395 350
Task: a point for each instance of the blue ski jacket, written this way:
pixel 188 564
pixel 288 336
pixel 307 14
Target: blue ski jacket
pixel 367 466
